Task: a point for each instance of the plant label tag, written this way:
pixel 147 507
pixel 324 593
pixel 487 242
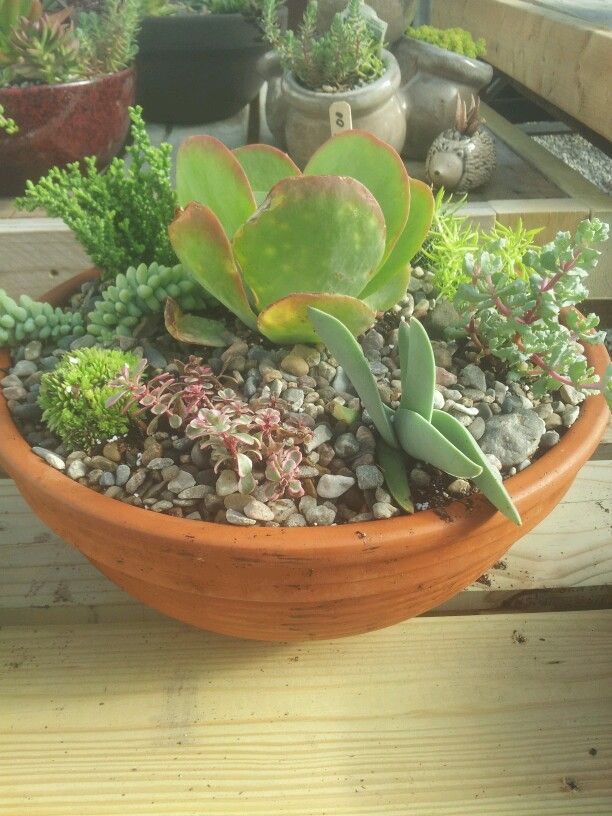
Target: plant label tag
pixel 340 117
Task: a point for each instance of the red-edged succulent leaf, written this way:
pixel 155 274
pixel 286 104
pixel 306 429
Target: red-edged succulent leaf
pixel 209 173
pixel 371 161
pixel 264 166
pixel 199 331
pixel 287 320
pixel 389 284
pixel 311 234
pixel 201 244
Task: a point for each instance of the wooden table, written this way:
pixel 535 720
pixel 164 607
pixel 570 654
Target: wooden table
pixel 561 50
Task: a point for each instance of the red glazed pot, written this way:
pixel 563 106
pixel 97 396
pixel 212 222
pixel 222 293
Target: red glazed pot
pixel 59 124
pixel 294 584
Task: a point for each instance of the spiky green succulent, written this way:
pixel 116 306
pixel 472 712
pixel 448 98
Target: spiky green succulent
pixel 74 397
pixel 416 428
pixel 339 236
pixel 27 319
pixel 139 293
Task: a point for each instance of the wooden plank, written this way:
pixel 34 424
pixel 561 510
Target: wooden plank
pixel 497 715
pixel 551 214
pixel 45 580
pixel 565 60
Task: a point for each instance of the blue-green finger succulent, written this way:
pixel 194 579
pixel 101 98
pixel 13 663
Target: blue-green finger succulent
pixel 416 428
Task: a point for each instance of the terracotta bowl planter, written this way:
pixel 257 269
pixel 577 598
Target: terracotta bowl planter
pixel 64 123
pixel 294 584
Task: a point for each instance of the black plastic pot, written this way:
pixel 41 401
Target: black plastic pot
pixel 197 68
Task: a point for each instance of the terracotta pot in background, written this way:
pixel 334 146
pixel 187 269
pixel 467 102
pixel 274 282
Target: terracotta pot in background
pixel 432 79
pixel 63 123
pixel 299 118
pixel 294 584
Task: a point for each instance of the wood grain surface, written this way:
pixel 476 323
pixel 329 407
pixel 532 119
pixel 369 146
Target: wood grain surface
pixel 499 715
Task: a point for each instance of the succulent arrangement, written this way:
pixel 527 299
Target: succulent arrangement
pixel 464 157
pixel 320 397
pixel 451 39
pixel 355 195
pixel 51 47
pixel 346 56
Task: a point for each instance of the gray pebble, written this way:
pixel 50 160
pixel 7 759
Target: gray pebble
pixel 347 445
pixel 570 415
pixel 459 487
pixel 135 481
pixel 332 486
pixel 322 516
pixel 369 477
pixel 50 458
pixel 296 520
pixel 295 397
pixel 122 474
pixel 76 469
pixel 473 377
pixel 195 492
pixel 258 511
pixel 160 462
pixel 383 510
pixel 107 479
pixel 477 427
pixel 512 437
pixel 24 368
pixel 570 395
pixel 159 506
pixel 419 478
pixel 549 439
pixel 181 481
pixel 238 518
pixel 320 435
pixel 32 350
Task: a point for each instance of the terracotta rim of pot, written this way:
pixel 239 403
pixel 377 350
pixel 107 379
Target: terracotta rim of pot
pixel 442 62
pixel 18 90
pixel 428 529
pixel 361 99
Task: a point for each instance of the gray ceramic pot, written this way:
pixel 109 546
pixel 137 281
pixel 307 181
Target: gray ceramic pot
pixel 299 118
pixel 432 78
pixel 398 14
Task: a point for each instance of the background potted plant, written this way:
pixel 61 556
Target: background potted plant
pixel 398 14
pixel 67 80
pixel 197 59
pixel 307 72
pixel 438 67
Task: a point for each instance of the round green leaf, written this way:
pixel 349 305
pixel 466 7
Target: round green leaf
pixel 287 320
pixel 264 166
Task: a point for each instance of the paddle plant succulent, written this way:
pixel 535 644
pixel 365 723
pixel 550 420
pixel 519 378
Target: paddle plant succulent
pixel 269 241
pixel 415 428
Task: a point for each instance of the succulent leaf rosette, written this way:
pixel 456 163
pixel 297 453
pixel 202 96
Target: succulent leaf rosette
pixel 269 241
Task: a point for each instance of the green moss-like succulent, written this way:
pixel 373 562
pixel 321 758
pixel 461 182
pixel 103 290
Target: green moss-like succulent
pixel 451 39
pixel 8 125
pixel 27 319
pixel 74 397
pixel 141 292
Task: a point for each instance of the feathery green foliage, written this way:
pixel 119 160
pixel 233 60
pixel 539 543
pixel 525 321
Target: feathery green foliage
pixel 345 57
pixel 74 397
pixel 121 216
pixel 8 125
pixel 516 318
pixel 451 39
pixel 452 237
pixel 415 428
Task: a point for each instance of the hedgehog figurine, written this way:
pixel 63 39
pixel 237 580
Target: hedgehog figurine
pixel 462 158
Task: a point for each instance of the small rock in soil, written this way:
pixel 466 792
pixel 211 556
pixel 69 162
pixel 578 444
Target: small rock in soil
pixel 331 486
pixel 50 458
pixel 512 438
